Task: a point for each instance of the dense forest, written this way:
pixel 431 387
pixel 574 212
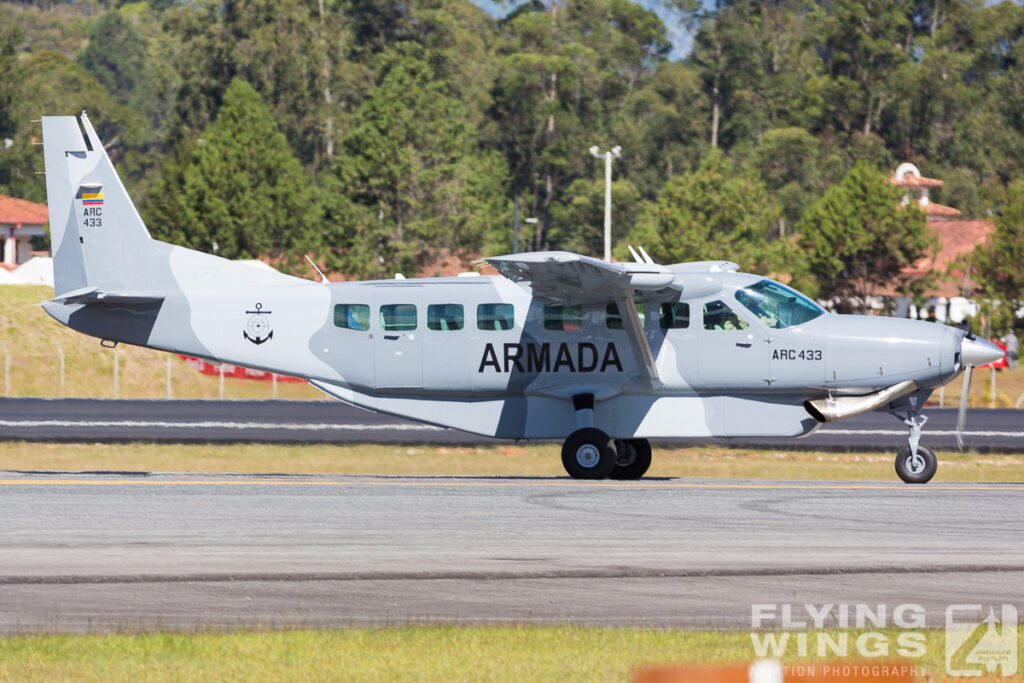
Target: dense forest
pixel 384 136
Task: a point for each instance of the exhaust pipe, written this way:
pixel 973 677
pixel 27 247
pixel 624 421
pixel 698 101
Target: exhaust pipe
pixel 830 409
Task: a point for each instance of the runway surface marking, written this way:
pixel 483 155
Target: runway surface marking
pixel 903 432
pixel 206 424
pixel 618 572
pixel 404 427
pixel 991 488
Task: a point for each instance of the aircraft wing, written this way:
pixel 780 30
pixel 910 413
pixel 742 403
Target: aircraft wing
pixel 565 277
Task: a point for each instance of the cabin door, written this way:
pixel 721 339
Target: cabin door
pixel 397 338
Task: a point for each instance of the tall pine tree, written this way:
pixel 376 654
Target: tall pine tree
pixel 238 190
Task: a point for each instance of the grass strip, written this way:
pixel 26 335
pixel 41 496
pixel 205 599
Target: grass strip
pixel 419 653
pixel 542 460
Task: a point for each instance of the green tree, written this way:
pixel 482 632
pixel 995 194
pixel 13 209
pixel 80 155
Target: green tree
pixel 578 218
pixel 115 55
pixel 787 160
pixel 10 35
pixel 290 51
pixel 713 212
pixel 859 238
pixel 412 164
pixel 50 83
pixel 661 127
pixel 998 266
pixel 131 56
pixel 238 191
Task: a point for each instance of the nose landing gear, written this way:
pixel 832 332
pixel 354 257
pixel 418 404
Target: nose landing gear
pixel 915 464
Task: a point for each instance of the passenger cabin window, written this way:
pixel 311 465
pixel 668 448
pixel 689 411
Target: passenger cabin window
pixel 495 316
pixel 613 319
pixel 565 317
pixel 718 316
pixel 445 317
pixel 352 316
pixel 674 316
pixel 398 317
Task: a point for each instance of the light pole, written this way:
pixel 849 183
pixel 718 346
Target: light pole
pixel 530 221
pixel 614 153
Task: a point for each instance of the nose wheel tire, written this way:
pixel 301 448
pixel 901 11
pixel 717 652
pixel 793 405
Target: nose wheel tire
pixel 588 453
pixel 916 469
pixel 632 458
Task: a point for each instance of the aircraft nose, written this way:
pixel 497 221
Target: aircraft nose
pixel 975 351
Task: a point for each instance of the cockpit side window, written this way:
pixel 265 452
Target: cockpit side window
pixel 675 316
pixel 718 316
pixel 776 305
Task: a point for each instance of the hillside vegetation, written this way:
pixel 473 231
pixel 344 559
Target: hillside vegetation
pixel 386 136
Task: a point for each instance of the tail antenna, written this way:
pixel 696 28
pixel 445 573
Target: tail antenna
pixel 323 278
pixel 647 257
pixel 636 256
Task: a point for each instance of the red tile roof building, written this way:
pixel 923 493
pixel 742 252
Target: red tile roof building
pixel 20 221
pixel 957 238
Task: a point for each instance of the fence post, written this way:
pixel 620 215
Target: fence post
pixel 61 352
pixel 942 396
pixel 117 375
pixel 992 386
pixel 222 381
pixel 274 380
pixel 7 371
pixel 168 376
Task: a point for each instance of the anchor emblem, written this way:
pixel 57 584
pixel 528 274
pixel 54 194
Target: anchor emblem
pixel 257 327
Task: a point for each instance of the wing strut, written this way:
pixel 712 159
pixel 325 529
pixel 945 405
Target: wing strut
pixel 637 338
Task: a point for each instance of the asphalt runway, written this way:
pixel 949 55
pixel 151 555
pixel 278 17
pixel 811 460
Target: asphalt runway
pixel 334 422
pixel 94 552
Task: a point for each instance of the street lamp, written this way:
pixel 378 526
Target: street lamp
pixel 530 221
pixel 614 153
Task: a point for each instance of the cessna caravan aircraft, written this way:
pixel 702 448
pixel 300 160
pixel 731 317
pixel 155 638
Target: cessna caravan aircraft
pixel 558 346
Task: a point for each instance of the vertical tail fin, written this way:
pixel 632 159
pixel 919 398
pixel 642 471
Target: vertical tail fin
pixel 97 236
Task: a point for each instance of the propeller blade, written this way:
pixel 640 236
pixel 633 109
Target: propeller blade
pixel 961 417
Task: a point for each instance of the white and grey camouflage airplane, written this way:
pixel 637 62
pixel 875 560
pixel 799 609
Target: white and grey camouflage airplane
pixel 558 346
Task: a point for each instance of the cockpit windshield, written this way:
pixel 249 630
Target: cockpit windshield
pixel 777 305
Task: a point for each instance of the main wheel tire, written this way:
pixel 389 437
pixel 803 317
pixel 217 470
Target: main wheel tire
pixel 632 458
pixel 588 453
pixel 917 470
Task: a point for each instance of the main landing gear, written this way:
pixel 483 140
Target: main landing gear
pixel 915 464
pixel 589 453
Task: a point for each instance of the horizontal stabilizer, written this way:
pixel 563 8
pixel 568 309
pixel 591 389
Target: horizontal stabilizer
pixel 94 295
